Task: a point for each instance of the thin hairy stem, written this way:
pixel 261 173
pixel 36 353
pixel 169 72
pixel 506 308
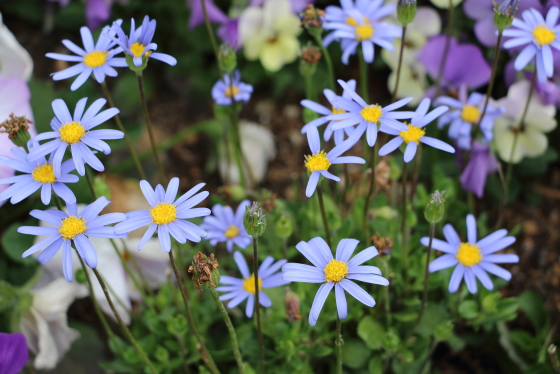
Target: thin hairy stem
pixel 403 220
pixel 399 64
pixel 257 302
pixel 210 32
pixel 446 48
pixel 363 76
pixel 338 345
pixel 328 60
pixel 324 214
pixel 426 277
pixel 492 77
pixel 372 186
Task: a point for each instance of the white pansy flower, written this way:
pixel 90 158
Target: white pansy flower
pixel 15 61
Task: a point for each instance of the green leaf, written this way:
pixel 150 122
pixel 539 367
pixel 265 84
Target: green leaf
pixel 375 365
pixel 533 306
pixel 371 332
pixel 15 244
pixel 355 354
pixel 524 341
pixel 468 309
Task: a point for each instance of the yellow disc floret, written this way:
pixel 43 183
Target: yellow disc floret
pixel 364 32
pixel 249 284
pixel 44 173
pixel 371 113
pixel 335 271
pixel 470 113
pixel 163 213
pixel 351 21
pixel 72 132
pixel 95 59
pixel 468 254
pixel 231 232
pixel 316 162
pixel 232 91
pixel 413 134
pixel 336 110
pixel 71 227
pixel 137 49
pixel 543 35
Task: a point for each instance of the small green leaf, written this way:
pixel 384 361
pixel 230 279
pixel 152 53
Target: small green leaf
pixel 371 332
pixel 468 309
pixel 15 244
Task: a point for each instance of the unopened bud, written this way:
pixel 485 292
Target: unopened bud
pixel 406 11
pixel 312 20
pixel 254 220
pixel 227 58
pixel 504 13
pixel 81 277
pixel 101 188
pixel 17 129
pixel 284 227
pixel 383 245
pixel 204 271
pixel 291 301
pixel 310 56
pixel 435 208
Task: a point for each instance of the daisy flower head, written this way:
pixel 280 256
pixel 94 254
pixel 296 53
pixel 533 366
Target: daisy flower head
pixel 473 259
pixel 355 24
pixel 138 44
pixel 226 226
pixel 226 91
pixel 72 228
pixel 539 35
pixel 368 117
pixel 319 162
pixel 465 114
pixel 167 215
pixel 76 132
pixel 237 290
pixel 333 99
pixel 95 58
pixel 413 134
pixel 335 272
pixel 38 175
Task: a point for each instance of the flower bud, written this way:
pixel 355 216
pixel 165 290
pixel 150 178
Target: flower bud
pixel 80 276
pixel 17 129
pixel 310 56
pixel 291 301
pixel 204 271
pixel 284 227
pixel 137 69
pixel 435 208
pixel 312 19
pixel 504 13
pixel 227 58
pixel 254 220
pixel 406 11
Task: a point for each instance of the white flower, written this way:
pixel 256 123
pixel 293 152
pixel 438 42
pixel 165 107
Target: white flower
pixel 413 80
pixel 531 139
pixel 45 325
pixel 270 34
pixel 14 59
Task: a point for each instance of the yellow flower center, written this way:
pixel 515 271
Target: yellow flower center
pixel 71 227
pixel 543 35
pixel 163 213
pixel 364 31
pixel 95 59
pixel 232 91
pixel 468 254
pixel 470 113
pixel 335 271
pixel 137 49
pixel 413 134
pixel 44 173
pixel 351 21
pixel 371 113
pixel 249 284
pixel 72 132
pixel 316 162
pixel 232 232
pixel 336 110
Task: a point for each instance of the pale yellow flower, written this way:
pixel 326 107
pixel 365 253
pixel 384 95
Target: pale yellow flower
pixel 269 33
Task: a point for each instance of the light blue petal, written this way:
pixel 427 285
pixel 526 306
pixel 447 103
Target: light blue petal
pixel 341 305
pixel 443 262
pixel 357 292
pixel 319 301
pixel 241 264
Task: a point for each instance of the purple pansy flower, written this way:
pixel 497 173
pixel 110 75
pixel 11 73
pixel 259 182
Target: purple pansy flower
pixel 481 164
pixel 97 12
pixel 13 352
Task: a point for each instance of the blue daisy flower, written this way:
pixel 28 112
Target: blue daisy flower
pixel 225 226
pixel 412 134
pixel 240 289
pixel 77 133
pixel 138 44
pixel 38 175
pixel 465 114
pixel 97 59
pixel 167 215
pixel 368 117
pixel 333 98
pixel 224 90
pixel 319 162
pixel 539 35
pixel 473 259
pixel 335 273
pixel 72 227
pixel 358 23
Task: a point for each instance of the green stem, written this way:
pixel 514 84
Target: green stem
pixel 149 126
pixel 236 139
pixel 345 189
pixel 363 76
pixel 387 295
pixel 403 220
pixel 257 305
pixel 324 214
pixel 137 268
pixel 121 128
pixel 338 346
pixel 127 332
pixel 445 48
pixel 415 174
pixel 57 202
pixel 372 185
pixel 90 184
pixel 232 334
pixel 492 76
pixel 309 94
pixel 426 277
pixel 211 33
pixel 328 60
pixel 206 357
pixel 399 65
